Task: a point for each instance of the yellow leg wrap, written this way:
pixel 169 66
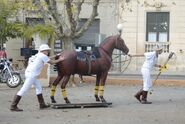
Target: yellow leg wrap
pixel 96 90
pixel 64 94
pixel 53 89
pixel 101 89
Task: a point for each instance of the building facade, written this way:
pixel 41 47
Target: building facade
pixel 155 22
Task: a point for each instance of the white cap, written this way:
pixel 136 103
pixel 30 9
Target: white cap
pixel 44 47
pixel 120 27
pixel 158 47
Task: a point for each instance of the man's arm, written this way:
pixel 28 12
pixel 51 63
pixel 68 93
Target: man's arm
pixel 54 56
pixel 156 65
pixel 61 58
pixel 136 55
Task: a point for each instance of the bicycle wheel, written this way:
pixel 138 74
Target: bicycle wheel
pixel 14 81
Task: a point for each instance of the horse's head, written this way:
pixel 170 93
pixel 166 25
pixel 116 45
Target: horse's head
pixel 120 44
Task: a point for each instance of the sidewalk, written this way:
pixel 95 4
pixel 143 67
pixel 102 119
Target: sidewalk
pixel 137 75
pixel 166 79
pixel 131 78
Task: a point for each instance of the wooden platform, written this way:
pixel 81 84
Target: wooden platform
pixel 80 105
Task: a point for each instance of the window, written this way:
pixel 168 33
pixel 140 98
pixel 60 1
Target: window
pixel 89 36
pixel 57 46
pixel 157 29
pixel 80 47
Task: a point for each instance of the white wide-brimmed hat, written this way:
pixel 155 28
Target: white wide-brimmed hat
pixel 158 47
pixel 44 47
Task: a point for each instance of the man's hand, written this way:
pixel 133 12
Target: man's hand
pixel 58 54
pixel 61 58
pixel 162 68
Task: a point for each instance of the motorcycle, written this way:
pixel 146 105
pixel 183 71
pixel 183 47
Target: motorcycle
pixel 7 75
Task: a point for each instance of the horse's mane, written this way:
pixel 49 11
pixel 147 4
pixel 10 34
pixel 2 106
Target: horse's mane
pixel 107 39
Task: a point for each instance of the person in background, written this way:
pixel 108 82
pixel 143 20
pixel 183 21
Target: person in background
pixel 3 54
pixel 36 63
pixel 149 63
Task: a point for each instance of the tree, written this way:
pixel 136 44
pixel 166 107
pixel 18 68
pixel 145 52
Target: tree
pixel 67 29
pixel 44 31
pixel 8 28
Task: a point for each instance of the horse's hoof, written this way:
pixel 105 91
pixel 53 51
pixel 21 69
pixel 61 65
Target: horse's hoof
pixel 97 98
pixel 53 99
pixel 102 99
pixel 67 101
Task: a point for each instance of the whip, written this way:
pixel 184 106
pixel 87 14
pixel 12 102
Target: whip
pixel 164 67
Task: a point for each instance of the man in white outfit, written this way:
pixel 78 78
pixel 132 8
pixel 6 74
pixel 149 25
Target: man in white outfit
pixel 32 72
pixel 149 63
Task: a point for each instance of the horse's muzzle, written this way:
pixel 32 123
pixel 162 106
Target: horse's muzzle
pixel 125 51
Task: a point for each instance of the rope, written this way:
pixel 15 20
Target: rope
pixel 127 64
pixel 123 62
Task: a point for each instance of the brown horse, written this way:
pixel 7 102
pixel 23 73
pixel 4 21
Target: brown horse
pixel 100 67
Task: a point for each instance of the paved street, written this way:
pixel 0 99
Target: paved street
pixel 168 107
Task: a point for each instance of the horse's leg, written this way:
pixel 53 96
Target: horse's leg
pixel 81 79
pixel 63 90
pixel 53 88
pixel 72 81
pixel 96 89
pixel 102 84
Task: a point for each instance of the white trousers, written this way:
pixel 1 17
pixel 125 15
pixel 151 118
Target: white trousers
pixel 30 80
pixel 147 82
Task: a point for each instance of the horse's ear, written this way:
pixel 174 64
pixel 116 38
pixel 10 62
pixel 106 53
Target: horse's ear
pixel 119 35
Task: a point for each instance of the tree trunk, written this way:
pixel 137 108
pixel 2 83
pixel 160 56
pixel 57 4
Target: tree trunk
pixel 67 43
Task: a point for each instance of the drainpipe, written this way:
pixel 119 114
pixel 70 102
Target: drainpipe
pixel 117 20
pixel 137 29
pixel 137 19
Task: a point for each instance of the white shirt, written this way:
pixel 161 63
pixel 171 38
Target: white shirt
pixel 150 60
pixel 35 65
